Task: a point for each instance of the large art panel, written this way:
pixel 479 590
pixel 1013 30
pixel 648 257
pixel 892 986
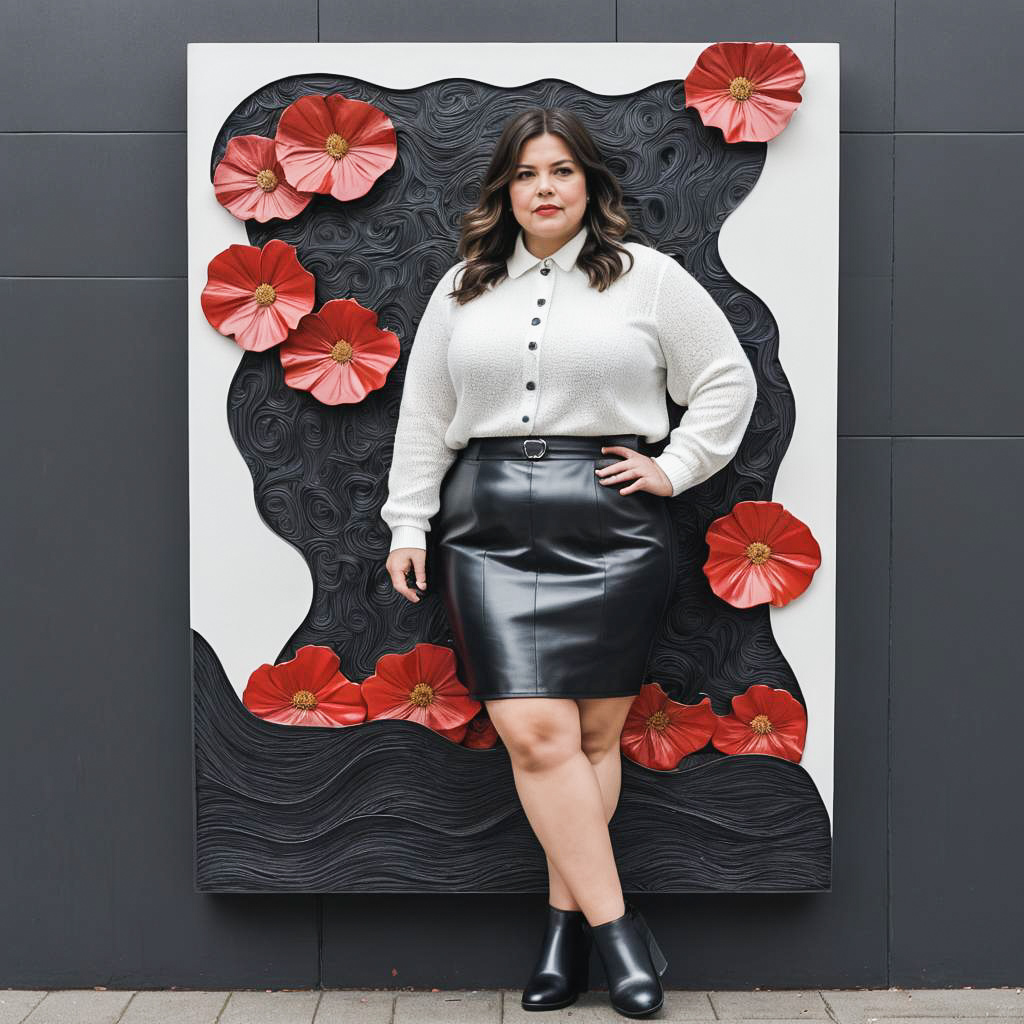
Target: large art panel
pixel 287 546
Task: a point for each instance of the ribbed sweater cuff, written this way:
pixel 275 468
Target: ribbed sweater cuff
pixel 408 537
pixel 681 475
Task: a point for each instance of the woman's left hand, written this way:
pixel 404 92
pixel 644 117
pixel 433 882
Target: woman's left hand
pixel 645 473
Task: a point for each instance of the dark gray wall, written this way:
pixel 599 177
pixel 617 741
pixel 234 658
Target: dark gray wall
pixel 95 805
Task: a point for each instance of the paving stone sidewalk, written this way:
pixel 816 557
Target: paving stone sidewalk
pixel 894 1006
pixel 501 1006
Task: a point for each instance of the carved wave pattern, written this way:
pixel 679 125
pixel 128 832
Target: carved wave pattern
pixel 391 806
pixel 320 473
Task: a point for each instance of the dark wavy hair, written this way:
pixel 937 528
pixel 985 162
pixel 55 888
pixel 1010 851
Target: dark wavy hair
pixel 489 230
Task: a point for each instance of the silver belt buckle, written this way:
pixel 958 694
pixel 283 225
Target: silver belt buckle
pixel 535 440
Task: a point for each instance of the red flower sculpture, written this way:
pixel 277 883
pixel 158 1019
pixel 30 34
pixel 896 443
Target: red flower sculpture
pixel 339 354
pixel 749 90
pixel 257 295
pixel 308 690
pixel 480 733
pixel 659 732
pixel 764 720
pixel 421 686
pixel 333 144
pixel 760 552
pixel 250 183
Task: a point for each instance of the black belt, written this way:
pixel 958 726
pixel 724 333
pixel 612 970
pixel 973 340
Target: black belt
pixel 551 446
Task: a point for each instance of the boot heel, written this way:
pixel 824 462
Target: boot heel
pixel 657 957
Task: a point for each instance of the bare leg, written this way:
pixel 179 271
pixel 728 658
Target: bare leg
pixel 560 793
pixel 601 721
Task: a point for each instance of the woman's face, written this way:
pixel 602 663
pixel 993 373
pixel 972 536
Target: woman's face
pixel 547 175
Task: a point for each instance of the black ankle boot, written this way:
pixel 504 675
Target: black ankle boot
pixel 561 971
pixel 633 963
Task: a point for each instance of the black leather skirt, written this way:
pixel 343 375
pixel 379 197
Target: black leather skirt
pixel 555 585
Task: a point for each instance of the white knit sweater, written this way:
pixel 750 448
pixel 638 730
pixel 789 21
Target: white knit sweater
pixel 545 353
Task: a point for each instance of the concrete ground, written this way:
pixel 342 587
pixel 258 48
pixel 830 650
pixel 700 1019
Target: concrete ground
pixel 501 1006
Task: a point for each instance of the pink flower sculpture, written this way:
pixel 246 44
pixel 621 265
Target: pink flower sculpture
pixel 749 90
pixel 336 145
pixel 250 183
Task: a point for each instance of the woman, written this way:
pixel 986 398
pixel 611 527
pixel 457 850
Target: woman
pixel 533 392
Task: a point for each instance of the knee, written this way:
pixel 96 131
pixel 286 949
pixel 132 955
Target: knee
pixel 598 745
pixel 538 748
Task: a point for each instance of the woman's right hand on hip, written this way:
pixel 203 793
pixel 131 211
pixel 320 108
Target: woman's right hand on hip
pixel 400 562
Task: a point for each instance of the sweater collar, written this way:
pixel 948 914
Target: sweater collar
pixel 522 259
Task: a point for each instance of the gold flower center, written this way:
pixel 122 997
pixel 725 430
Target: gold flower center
pixel 304 700
pixel 741 88
pixel 264 294
pixel 267 180
pixel 341 351
pixel 758 552
pixel 336 145
pixel 761 724
pixel 422 695
pixel 659 720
